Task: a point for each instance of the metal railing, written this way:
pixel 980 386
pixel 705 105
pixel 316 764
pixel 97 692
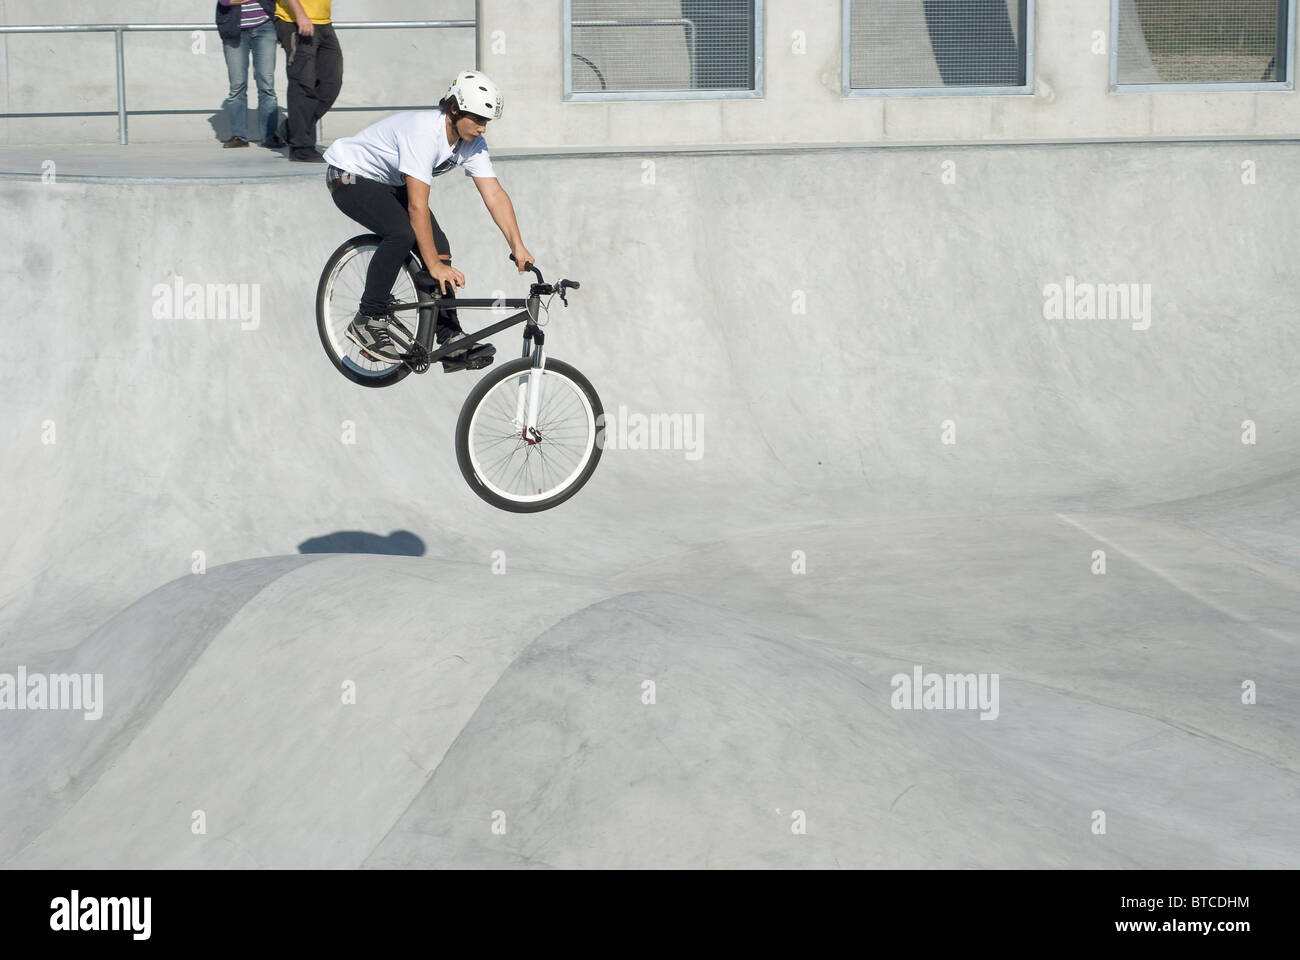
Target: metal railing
pixel 119 30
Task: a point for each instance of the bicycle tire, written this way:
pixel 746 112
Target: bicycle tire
pixel 326 322
pixel 466 422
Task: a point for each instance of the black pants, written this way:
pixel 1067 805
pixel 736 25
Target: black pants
pixel 315 70
pixel 382 209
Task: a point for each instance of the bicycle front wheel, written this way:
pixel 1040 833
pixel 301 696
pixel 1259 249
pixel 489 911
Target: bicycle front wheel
pixel 529 474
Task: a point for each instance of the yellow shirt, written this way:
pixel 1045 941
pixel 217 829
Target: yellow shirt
pixel 318 11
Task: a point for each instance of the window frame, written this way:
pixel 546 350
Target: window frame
pixel 1022 90
pixel 1209 86
pixel 607 96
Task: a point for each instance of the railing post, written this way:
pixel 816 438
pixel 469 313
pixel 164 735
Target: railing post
pixel 478 34
pixel 121 86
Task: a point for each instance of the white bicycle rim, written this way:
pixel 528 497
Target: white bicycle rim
pixel 342 298
pixel 519 471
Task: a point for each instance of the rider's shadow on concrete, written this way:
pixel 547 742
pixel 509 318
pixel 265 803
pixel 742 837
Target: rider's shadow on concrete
pixel 402 543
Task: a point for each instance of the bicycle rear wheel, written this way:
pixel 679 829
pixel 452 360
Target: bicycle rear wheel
pixel 516 473
pixel 338 297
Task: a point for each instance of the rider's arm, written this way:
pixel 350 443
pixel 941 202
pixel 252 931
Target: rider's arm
pixel 502 210
pixel 417 207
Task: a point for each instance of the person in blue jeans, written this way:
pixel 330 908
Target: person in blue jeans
pixel 247 30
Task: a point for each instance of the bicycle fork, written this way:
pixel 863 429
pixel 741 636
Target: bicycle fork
pixel 530 384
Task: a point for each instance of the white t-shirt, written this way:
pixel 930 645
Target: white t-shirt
pixel 408 144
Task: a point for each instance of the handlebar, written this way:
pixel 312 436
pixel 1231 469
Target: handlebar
pixel 530 266
pixel 541 287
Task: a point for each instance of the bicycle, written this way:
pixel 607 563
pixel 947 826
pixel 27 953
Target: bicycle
pixel 527 438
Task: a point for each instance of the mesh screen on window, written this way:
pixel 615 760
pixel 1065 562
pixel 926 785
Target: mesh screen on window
pixel 1202 41
pixel 662 45
pixel 937 43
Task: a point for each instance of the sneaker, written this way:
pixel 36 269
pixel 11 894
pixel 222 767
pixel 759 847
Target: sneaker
pixel 472 358
pixel 447 335
pixel 371 335
pixel 234 142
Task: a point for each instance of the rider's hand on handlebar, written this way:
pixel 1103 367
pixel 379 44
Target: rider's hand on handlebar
pixel 447 276
pixel 522 257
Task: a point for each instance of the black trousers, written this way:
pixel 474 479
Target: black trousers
pixel 315 70
pixel 381 209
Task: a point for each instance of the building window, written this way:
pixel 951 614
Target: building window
pixel 1202 44
pixel 662 49
pixel 944 47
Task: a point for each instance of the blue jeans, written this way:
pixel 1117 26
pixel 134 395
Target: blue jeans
pixel 260 42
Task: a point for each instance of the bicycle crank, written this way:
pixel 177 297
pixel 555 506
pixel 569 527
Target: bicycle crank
pixel 417 358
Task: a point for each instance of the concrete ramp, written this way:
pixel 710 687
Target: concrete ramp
pixel 1017 411
pixel 295 729
pixel 760 750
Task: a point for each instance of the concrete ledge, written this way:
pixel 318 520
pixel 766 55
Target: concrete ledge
pixel 205 162
pixel 209 163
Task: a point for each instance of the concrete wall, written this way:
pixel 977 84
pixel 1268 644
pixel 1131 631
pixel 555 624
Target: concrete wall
pixel 822 314
pixel 521 44
pixel 521 47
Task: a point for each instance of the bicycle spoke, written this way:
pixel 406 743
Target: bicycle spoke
pixel 510 465
pixel 343 297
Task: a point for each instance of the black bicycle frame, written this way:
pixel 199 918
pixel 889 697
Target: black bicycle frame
pixel 532 332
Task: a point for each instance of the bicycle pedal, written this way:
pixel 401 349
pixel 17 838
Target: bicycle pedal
pixel 474 363
pixel 477 358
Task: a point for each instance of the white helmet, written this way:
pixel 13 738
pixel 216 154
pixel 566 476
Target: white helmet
pixel 476 94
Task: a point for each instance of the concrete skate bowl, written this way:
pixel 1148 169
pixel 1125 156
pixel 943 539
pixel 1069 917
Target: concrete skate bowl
pixel 902 462
pixel 642 729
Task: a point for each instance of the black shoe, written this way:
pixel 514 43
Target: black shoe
pixel 446 334
pixel 371 335
pixel 306 156
pixel 475 358
pixel 274 142
pixel 234 142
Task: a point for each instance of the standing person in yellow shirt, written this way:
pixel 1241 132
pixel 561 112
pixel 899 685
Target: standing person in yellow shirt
pixel 315 69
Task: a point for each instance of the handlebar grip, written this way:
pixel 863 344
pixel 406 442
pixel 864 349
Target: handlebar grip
pixel 573 284
pixel 531 266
